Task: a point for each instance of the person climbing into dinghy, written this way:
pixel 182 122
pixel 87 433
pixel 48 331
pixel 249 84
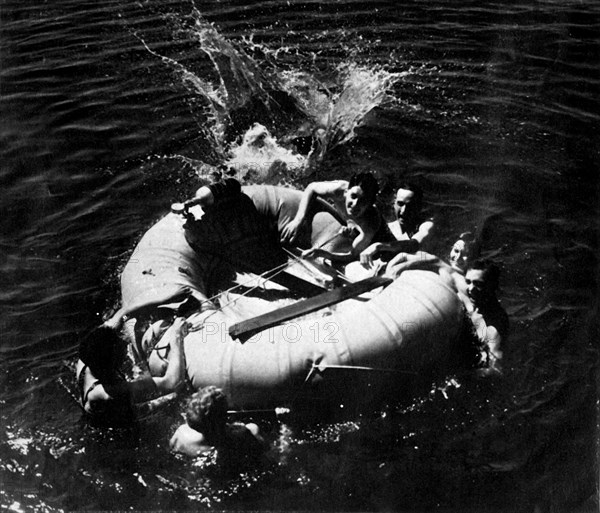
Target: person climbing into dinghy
pixel 206 428
pixel 476 288
pixel 106 394
pixel 488 316
pixel 354 201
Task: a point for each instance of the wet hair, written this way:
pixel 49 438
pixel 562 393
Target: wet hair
pixel 491 270
pixel 416 190
pixel 226 188
pixel 100 350
pixel 207 411
pixel 367 182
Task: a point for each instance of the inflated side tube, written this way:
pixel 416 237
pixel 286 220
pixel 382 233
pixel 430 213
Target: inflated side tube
pixel 241 234
pixel 407 327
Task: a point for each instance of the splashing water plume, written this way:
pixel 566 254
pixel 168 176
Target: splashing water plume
pixel 335 116
pixel 215 107
pixel 363 90
pixel 239 76
pixel 261 158
pixel 292 103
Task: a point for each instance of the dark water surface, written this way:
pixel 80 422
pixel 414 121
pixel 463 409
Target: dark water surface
pixel 112 111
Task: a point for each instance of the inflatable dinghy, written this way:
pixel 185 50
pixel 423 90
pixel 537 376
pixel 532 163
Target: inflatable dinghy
pixel 226 262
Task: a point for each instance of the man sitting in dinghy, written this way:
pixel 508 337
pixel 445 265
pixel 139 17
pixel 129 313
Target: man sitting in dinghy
pixel 106 395
pixel 410 229
pixel 354 201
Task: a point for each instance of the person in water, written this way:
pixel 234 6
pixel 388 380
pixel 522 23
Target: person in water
pixel 462 251
pixel 476 289
pixel 488 316
pixel 206 428
pixel 410 229
pixel 354 202
pixel 106 394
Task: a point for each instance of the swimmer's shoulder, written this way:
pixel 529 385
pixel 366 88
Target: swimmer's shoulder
pixel 188 441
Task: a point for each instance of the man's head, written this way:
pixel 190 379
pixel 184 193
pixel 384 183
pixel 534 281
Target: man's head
pixel 207 410
pixel 408 204
pixel 103 351
pixel 361 193
pixel 482 279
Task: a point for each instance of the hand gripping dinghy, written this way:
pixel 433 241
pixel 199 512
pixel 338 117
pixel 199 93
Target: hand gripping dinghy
pixel 408 326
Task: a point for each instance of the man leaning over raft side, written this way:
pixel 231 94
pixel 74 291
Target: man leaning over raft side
pixel 477 291
pixel 410 229
pixel 107 396
pixel 489 318
pixel 354 201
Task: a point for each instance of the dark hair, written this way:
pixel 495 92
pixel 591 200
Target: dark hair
pixel 100 350
pixel 492 271
pixel 225 188
pixel 207 411
pixel 416 190
pixel 368 183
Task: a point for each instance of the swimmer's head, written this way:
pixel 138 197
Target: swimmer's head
pixel 207 410
pixel 462 250
pixel 482 279
pixel 103 351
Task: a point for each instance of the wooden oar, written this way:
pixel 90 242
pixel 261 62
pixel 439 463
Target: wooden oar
pixel 246 329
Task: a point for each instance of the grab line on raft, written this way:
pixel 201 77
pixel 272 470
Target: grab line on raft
pixel 275 270
pixel 299 390
pixel 322 367
pixel 335 236
pixel 301 261
pixel 277 411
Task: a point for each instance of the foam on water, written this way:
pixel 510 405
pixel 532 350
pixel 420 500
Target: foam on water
pixel 260 159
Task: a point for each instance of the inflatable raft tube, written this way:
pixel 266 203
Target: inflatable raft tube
pixel 164 267
pixel 407 327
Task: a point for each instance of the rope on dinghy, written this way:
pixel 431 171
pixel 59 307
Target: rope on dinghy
pixel 275 271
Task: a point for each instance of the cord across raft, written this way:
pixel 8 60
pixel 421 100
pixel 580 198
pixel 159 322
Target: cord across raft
pixel 407 327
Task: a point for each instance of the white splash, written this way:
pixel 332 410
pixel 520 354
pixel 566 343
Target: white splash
pixel 261 159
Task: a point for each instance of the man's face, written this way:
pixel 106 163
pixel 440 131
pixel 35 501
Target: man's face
pixel 478 287
pixel 356 201
pixel 405 207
